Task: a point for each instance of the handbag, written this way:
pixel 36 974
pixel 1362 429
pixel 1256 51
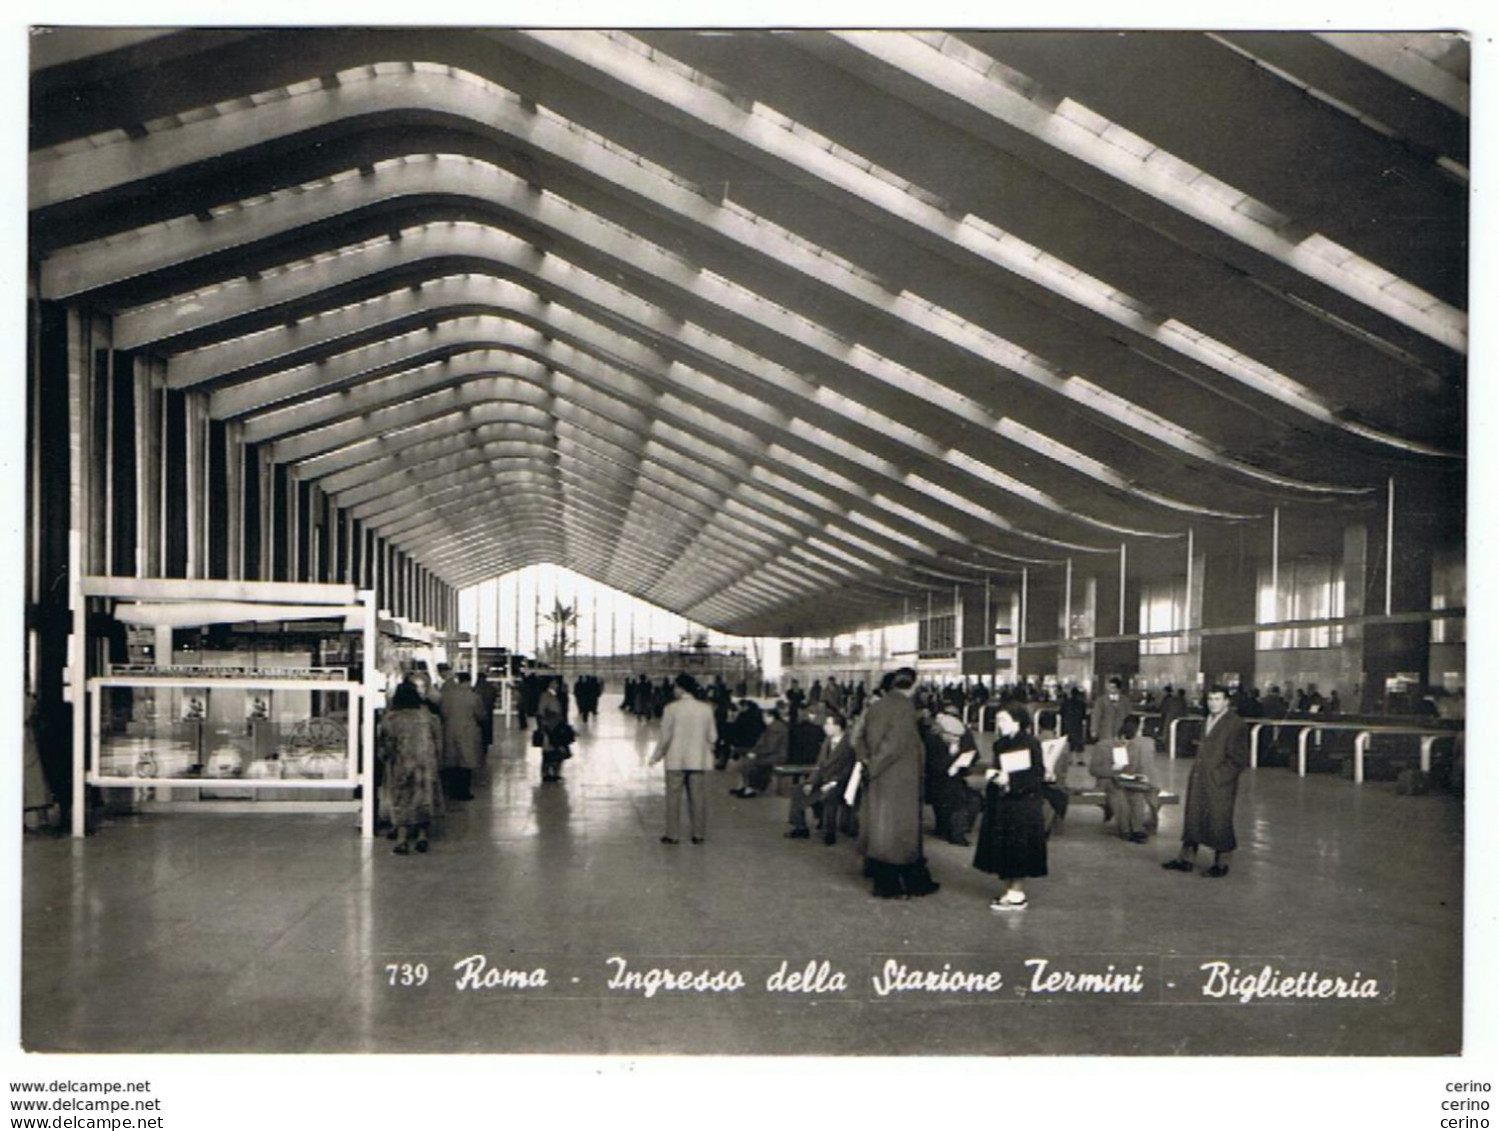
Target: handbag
pixel 537 738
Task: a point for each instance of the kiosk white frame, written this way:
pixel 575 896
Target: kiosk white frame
pixel 179 602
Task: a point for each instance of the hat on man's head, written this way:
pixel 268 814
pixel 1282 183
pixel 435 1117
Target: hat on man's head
pixel 950 725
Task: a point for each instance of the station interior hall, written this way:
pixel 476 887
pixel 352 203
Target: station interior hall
pixel 1028 360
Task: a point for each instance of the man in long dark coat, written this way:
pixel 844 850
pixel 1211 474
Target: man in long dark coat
pixel 891 748
pixel 462 711
pixel 488 695
pixel 1074 713
pixel 1222 755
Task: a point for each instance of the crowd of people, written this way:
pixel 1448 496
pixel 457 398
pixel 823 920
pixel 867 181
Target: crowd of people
pixel 433 736
pixel 429 742
pixel 865 764
pixel 872 774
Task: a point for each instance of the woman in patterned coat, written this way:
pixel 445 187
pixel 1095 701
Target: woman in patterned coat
pixel 407 742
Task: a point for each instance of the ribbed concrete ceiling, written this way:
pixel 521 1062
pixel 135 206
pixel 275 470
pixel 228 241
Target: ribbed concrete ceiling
pixel 775 329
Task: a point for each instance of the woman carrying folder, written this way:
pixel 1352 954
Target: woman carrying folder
pixel 1012 841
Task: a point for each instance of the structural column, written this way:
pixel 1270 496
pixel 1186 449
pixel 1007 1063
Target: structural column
pixel 1043 616
pixel 1116 612
pixel 1230 586
pixel 1402 540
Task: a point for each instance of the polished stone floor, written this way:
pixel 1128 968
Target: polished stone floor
pixel 276 933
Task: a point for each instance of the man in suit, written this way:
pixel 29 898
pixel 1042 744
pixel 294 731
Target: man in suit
pixel 688 734
pixel 1222 755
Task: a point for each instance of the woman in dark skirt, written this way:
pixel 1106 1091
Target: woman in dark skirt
pixel 557 737
pixel 1012 841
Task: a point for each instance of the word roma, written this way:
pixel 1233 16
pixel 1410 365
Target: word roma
pixel 475 973
pixel 1224 981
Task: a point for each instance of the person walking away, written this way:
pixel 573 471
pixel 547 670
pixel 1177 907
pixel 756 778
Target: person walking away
pixel 462 712
pixel 1074 720
pixel 407 743
pixel 551 698
pixel 891 828
pixel 488 694
pixel 557 738
pixel 1213 787
pixel 1172 708
pixel 686 746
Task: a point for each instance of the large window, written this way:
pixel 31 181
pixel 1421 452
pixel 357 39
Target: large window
pixel 1449 590
pixel 938 636
pixel 1163 608
pixel 1309 589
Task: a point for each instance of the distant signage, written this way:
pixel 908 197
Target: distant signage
pixel 1401 682
pixel 210 671
pixel 304 627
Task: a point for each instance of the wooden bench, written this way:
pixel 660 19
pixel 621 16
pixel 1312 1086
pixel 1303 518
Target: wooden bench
pixel 792 774
pixel 1084 796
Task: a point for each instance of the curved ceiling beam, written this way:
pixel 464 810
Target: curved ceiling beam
pixel 456 335
pixel 436 539
pixel 480 333
pixel 383 320
pixel 733 436
pixel 794 576
pixel 466 473
pixel 667 89
pixel 563 140
pixel 212 362
pixel 390 496
pixel 563 544
pixel 717 610
pixel 551 271
pixel 888 544
pixel 1391 54
pixel 704 440
pixel 331 446
pixel 982 85
pixel 408 490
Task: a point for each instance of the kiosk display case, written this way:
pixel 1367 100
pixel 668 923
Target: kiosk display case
pixel 163 731
pixel 250 694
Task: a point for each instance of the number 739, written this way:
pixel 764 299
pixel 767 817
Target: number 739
pixel 406 973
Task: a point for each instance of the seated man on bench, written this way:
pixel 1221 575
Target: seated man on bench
pixel 1131 791
pixel 807 739
pixel 768 752
pixel 825 784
